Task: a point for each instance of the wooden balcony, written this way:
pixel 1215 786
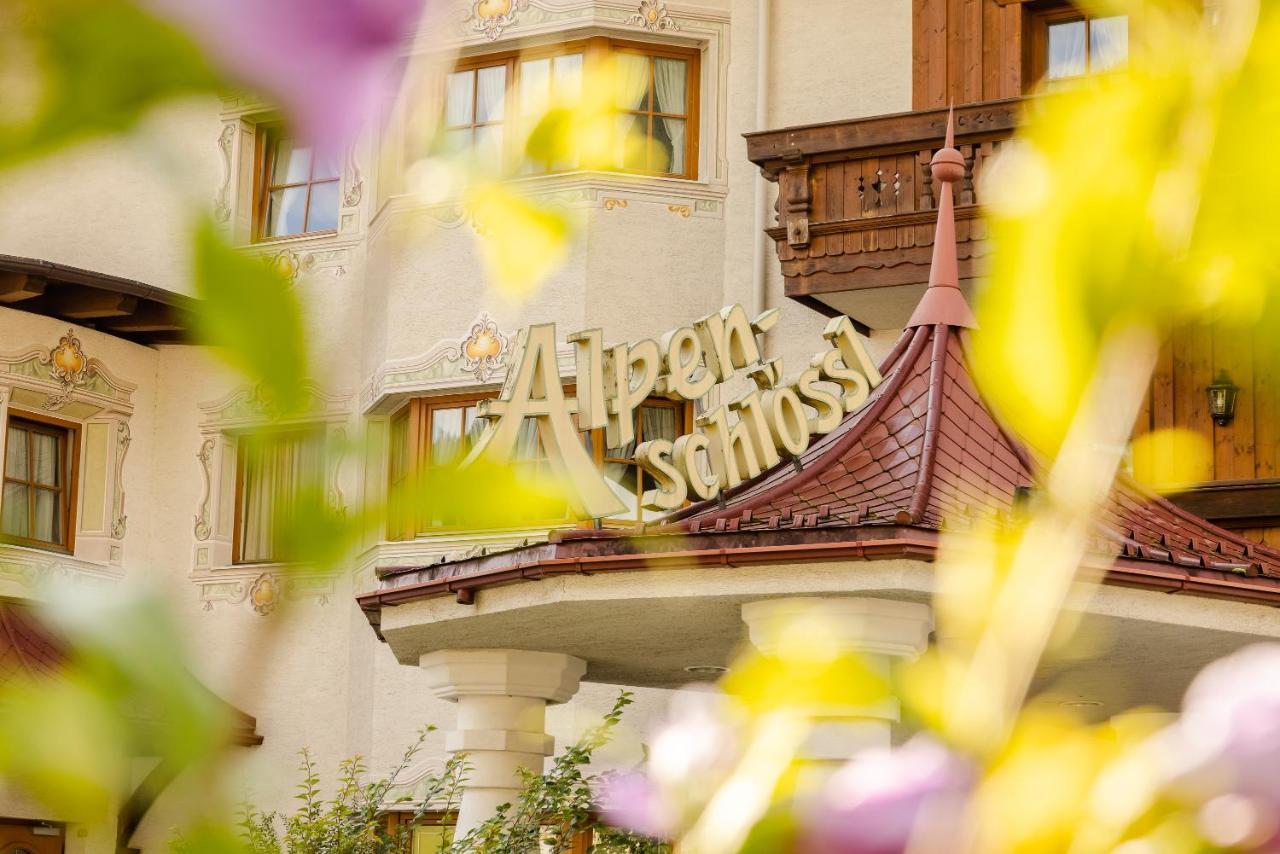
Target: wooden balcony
pixel 855 210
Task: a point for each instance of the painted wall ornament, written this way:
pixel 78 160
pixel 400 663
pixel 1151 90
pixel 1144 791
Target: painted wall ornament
pixel 119 521
pixel 491 17
pixel 484 350
pixel 730 444
pixel 67 365
pixel 264 594
pixel 205 456
pixel 653 16
pixel 222 201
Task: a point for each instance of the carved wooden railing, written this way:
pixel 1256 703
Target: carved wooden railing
pixel 856 199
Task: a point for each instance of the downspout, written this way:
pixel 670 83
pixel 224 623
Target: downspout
pixel 759 254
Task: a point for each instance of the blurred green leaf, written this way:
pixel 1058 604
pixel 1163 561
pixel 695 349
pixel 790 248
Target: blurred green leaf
pixel 124 691
pixel 103 63
pixel 251 314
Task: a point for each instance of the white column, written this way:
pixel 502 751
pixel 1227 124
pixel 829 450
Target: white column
pixel 502 696
pixel 879 631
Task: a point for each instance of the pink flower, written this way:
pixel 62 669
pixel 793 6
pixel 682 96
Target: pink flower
pixel 1231 722
pixel 888 801
pixel 325 61
pixel 630 800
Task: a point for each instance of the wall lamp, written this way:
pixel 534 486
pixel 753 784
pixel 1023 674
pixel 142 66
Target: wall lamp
pixel 1222 399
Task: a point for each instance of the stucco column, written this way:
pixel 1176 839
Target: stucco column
pixel 880 631
pixel 502 697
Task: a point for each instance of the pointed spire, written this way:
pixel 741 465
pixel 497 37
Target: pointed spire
pixel 943 303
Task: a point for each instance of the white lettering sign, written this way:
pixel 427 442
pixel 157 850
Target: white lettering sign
pixel 731 443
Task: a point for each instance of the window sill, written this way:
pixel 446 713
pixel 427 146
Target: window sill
pixel 684 197
pixel 25 567
pixel 276 243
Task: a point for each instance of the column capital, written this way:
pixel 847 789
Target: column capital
pixel 549 676
pixel 870 626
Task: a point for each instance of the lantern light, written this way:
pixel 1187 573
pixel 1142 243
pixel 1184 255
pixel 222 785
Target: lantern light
pixel 1222 399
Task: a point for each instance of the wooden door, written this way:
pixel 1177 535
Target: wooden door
pixel 25 837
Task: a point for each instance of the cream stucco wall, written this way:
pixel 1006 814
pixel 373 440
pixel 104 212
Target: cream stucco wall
pixel 400 282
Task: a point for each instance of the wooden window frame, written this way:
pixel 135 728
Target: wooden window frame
pixel 267 143
pixel 595 51
pixel 416 414
pixel 1039 17
pixel 684 424
pixel 237 515
pixel 68 436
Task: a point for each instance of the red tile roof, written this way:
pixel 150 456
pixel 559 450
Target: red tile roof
pixel 29 649
pixel 26 646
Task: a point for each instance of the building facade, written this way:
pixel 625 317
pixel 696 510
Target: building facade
pixel 785 165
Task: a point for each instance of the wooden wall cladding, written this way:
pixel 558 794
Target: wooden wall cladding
pixel 965 51
pixel 1243 475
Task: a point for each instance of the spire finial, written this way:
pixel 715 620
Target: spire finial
pixel 943 303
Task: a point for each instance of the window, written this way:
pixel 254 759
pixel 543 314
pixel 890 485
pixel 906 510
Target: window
pixel 1067 43
pixel 491 102
pixel 655 96
pixel 38 502
pixel 434 432
pixel 272 469
pixel 655 419
pixel 297 191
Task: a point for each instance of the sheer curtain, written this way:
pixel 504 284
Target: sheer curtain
pixel 1067 55
pixel 669 79
pixel 632 82
pixel 15 503
pixel 274 471
pixel 45 524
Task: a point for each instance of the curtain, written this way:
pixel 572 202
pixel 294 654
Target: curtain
pixel 1108 42
pixel 669 86
pixel 1066 50
pixel 14 503
pixel 632 90
pixel 44 470
pixel 275 469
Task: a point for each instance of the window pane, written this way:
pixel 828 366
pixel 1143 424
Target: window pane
pixel 399 442
pixel 457 141
pixel 47 524
pixel 669 85
pixel 489 145
pixel 13 510
pixel 567 76
pixel 430 840
pixel 473 426
pixel 44 462
pixel 274 469
pixel 657 422
pixel 527 444
pixel 491 94
pixel 1108 42
pixel 668 145
pixel 535 86
pixel 15 454
pixel 632 142
pixel 632 81
pixel 292 165
pixel 324 207
pixel 446 435
pixel 1066 50
pixel 327 167
pixel 286 210
pixel 458 98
